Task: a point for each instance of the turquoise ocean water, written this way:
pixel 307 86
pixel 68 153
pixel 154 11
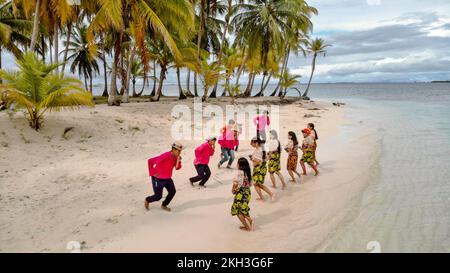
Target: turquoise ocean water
pixel 406 205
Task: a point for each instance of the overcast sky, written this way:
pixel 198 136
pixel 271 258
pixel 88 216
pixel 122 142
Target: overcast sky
pixel 373 41
pixel 381 40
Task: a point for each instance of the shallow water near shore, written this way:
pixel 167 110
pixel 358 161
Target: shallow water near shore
pixel 405 206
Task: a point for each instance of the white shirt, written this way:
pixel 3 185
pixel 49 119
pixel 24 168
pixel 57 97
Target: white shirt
pixel 273 145
pixel 257 154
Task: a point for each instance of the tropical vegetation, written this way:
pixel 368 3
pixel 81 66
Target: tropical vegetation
pixel 211 46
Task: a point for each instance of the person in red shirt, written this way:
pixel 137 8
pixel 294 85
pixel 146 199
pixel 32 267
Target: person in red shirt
pixel 202 156
pixel 160 169
pixel 261 121
pixel 227 144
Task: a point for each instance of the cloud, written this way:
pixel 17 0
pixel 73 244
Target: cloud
pixel 412 46
pixel 373 2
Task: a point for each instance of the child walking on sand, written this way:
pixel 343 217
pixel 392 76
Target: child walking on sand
pixel 202 156
pixel 258 159
pixel 242 194
pixel 160 169
pixel 274 158
pixel 292 149
pixel 307 148
pixel 315 137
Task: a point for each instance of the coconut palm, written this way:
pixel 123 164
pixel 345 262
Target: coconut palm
pixel 13 31
pixel 265 24
pixel 35 88
pixel 315 47
pixel 147 16
pixel 81 57
pixel 288 80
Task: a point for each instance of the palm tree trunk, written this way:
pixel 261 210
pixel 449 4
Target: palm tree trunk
pixel 188 84
pixel 35 26
pixel 241 67
pixel 162 76
pixel 55 44
pixel 143 86
pixel 85 81
pixel 66 50
pixel 105 73
pixel 262 86
pixel 152 94
pixel 283 69
pixel 249 88
pixel 43 48
pixel 126 95
pixel 50 49
pixel 310 78
pixel 199 39
pixel 112 98
pixel 1 81
pixel 133 82
pixel 90 84
pixel 195 85
pixel 222 43
pixel 181 95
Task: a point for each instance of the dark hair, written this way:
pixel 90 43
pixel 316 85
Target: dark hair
pixel 294 137
pixel 243 165
pixel 274 133
pixel 231 121
pixel 259 142
pixel 312 127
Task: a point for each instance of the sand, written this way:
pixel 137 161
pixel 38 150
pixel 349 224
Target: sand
pixel 89 185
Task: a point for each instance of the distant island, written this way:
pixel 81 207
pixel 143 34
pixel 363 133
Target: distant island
pixel 440 82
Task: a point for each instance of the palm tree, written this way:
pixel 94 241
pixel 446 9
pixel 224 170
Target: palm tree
pixel 136 71
pixel 265 24
pixel 315 47
pixel 13 32
pixel 147 16
pixel 82 57
pixel 287 80
pixel 38 90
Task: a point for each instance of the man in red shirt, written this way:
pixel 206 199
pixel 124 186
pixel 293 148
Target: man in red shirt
pixel 202 156
pixel 160 169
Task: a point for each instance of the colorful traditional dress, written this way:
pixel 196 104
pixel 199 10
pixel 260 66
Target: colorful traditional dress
pixel 308 150
pixel 293 155
pixel 274 158
pixel 242 196
pixel 259 170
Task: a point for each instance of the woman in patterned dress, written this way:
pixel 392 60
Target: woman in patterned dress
pixel 274 158
pixel 292 149
pixel 315 137
pixel 242 194
pixel 258 159
pixel 308 151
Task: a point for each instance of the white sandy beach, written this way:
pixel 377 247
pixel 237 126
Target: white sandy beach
pixel 90 186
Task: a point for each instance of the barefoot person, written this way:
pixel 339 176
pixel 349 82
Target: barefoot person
pixel 202 156
pixel 307 148
pixel 292 149
pixel 258 159
pixel 261 121
pixel 242 194
pixel 315 137
pixel 274 158
pixel 160 169
pixel 227 144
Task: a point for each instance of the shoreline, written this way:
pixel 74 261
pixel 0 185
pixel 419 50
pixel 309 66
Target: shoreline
pixel 79 196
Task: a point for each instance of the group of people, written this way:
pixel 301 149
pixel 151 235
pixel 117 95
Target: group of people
pixel 266 157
